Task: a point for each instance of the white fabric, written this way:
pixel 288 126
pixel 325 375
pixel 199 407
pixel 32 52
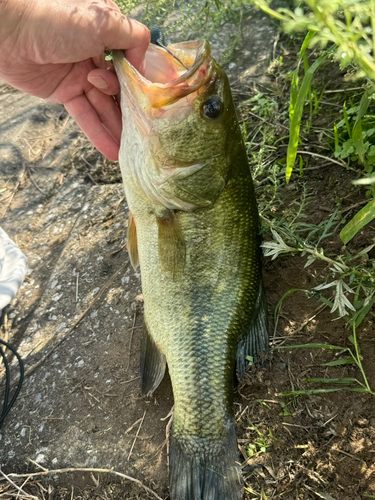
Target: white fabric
pixel 13 268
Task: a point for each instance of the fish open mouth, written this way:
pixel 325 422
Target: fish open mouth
pixel 166 80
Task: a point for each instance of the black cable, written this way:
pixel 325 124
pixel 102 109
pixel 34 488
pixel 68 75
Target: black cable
pixel 7 405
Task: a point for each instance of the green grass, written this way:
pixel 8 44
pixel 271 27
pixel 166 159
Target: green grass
pixel 353 356
pixel 298 95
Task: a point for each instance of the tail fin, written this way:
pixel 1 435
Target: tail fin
pixel 205 472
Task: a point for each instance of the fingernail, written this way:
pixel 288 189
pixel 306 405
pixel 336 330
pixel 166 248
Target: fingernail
pixel 98 82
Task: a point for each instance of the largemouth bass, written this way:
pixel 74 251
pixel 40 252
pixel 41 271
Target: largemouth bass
pixel 193 230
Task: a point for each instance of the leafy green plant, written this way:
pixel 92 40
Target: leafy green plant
pixel 284 410
pixel 358 142
pixel 263 105
pixel 359 145
pixel 261 444
pixel 349 24
pixel 188 19
pixel 357 281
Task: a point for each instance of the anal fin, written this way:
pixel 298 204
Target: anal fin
pixel 254 341
pixel 171 245
pixel 153 363
pixel 132 243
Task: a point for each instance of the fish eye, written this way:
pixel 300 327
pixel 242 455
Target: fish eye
pixel 213 107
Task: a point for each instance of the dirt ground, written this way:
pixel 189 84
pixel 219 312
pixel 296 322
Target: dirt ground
pixel 76 323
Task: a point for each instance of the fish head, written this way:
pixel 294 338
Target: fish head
pixel 185 122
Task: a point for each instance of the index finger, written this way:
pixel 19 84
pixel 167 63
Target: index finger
pixel 86 117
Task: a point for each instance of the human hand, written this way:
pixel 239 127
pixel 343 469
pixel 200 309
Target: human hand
pixel 55 49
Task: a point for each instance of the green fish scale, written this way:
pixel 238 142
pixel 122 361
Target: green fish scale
pixel 201 307
pixel 197 320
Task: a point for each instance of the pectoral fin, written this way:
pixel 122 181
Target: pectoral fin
pixel 171 245
pixel 153 363
pixel 254 341
pixel 132 244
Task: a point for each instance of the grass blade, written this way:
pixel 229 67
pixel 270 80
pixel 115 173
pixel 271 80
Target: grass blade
pixel 336 136
pixel 346 118
pixel 358 141
pixel 363 105
pixel 326 302
pixel 332 380
pixel 360 315
pixel 310 392
pixel 286 294
pixel 310 346
pixel 294 84
pixel 357 129
pixel 344 361
pixel 295 114
pixel 310 35
pixel 362 218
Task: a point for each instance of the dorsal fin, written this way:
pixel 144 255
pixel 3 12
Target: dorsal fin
pixel 171 244
pixel 132 244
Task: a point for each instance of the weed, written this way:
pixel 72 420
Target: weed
pixel 348 24
pixel 359 145
pixel 353 357
pixel 263 105
pixel 189 19
pixel 352 41
pixel 285 412
pixel 260 444
pixel 298 97
pixel 347 277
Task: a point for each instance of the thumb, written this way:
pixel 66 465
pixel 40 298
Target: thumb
pixel 123 33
